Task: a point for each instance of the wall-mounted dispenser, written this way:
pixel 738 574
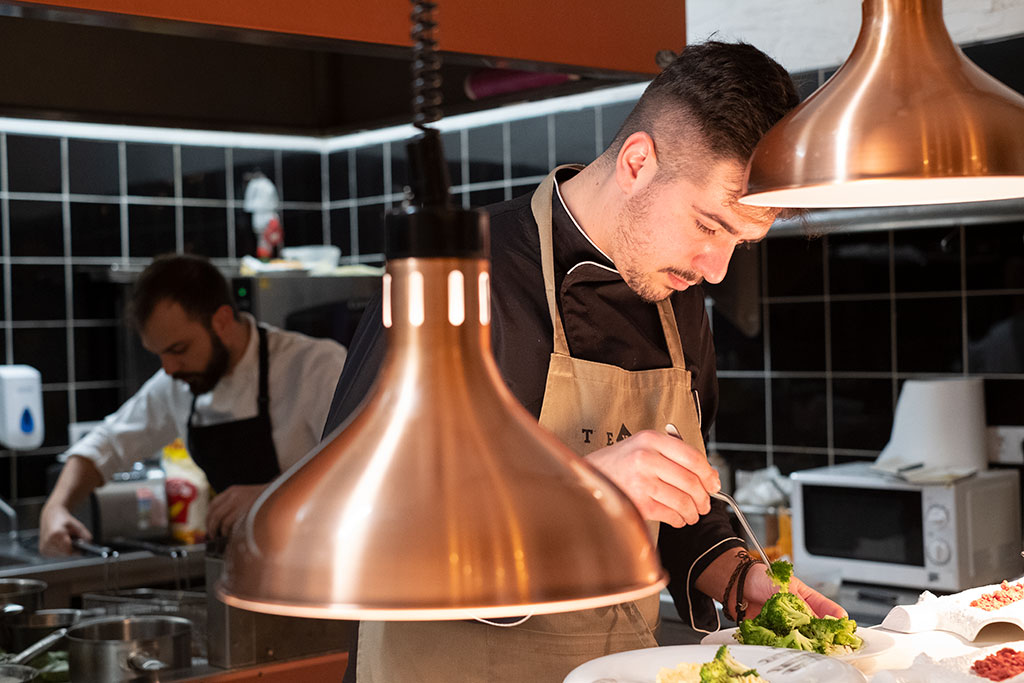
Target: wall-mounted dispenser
pixel 21 407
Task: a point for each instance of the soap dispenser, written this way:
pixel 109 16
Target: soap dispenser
pixel 21 407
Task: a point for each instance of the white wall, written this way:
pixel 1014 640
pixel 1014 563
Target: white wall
pixel 812 34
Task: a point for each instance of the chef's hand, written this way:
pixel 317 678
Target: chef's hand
pixel 229 507
pixel 57 528
pixel 759 588
pixel 667 480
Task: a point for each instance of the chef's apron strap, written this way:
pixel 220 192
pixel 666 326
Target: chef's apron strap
pixel 263 399
pixel 644 631
pixel 671 329
pixel 541 205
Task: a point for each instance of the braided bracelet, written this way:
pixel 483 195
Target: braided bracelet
pixel 741 604
pixel 739 573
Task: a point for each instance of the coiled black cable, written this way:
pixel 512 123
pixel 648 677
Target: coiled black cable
pixel 426 65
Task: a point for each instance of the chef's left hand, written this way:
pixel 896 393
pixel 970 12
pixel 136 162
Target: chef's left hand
pixel 759 588
pixel 229 507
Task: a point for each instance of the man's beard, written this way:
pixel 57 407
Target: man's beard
pixel 202 382
pixel 633 243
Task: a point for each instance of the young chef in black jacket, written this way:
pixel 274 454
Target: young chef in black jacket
pixel 622 245
pixel 248 400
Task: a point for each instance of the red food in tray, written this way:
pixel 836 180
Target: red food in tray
pixel 1001 665
pixel 1005 595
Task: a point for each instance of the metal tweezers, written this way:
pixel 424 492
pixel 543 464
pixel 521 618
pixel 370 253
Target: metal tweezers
pixel 672 431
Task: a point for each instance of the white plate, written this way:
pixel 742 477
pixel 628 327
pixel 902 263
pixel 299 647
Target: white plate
pixel 875 642
pixel 773 664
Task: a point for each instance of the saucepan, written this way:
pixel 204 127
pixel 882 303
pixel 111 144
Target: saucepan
pixel 18 631
pixel 14 669
pixel 134 648
pixel 25 592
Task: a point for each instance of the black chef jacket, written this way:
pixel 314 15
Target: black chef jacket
pixel 605 321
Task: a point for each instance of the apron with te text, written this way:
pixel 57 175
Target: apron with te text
pixel 587 405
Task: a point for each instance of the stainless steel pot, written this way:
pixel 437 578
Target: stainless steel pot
pixel 25 592
pixel 128 648
pixel 18 631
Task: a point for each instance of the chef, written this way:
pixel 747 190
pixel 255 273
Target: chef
pixel 600 330
pixel 248 399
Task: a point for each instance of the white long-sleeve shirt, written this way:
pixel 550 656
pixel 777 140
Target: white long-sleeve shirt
pixel 303 374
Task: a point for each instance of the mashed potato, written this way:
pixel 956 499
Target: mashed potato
pixel 684 673
pixel 688 672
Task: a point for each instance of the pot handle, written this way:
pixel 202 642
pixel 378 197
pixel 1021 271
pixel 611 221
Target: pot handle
pixel 39 647
pixel 140 660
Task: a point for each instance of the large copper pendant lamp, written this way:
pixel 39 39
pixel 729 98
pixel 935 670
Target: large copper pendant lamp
pixel 442 498
pixel 907 119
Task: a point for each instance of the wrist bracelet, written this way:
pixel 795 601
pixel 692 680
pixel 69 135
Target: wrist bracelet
pixel 741 568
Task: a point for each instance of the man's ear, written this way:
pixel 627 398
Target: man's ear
pixel 636 163
pixel 222 320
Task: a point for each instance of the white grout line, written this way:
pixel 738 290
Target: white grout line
pixel 5 215
pixel 69 296
pixel 179 211
pixel 122 182
pixel 229 179
pixel 325 196
pixel 830 428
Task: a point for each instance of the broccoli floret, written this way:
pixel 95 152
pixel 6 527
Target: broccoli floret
pixel 797 641
pixel 780 572
pixel 750 633
pixel 832 636
pixel 784 612
pixel 724 668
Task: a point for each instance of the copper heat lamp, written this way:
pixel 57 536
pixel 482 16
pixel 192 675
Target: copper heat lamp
pixel 442 498
pixel 907 119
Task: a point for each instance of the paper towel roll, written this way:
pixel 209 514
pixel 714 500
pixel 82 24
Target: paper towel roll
pixel 939 426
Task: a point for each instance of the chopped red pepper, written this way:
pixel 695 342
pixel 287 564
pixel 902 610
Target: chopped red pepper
pixel 1001 665
pixel 1005 595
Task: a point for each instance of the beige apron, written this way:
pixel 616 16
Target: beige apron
pixel 588 405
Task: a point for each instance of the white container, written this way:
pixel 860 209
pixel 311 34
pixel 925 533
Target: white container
pixel 316 257
pixel 21 407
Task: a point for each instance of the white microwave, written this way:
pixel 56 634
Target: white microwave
pixel 856 524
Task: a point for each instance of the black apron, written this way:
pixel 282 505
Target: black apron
pixel 242 451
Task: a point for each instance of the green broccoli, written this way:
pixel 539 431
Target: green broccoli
pixel 724 668
pixel 784 612
pixel 797 641
pixel 780 572
pixel 750 633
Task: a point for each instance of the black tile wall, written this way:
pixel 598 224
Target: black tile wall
pixel 151 230
pixel 337 171
pixel 93 167
pixel 370 171
pixel 815 385
pixel 612 118
pixel 301 181
pixel 33 164
pixel 486 154
pixel 302 226
pixel 37 228
pixel 528 146
pixel 205 231
pixel 203 173
pixel 37 292
pixel 149 169
pixel 575 137
pixel 95 229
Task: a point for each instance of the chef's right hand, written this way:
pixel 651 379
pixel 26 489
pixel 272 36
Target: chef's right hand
pixel 667 480
pixel 57 528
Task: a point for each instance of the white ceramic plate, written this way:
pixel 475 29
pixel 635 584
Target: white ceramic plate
pixel 773 664
pixel 875 642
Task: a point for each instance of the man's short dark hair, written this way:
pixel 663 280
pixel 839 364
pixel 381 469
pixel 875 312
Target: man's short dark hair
pixel 720 97
pixel 191 281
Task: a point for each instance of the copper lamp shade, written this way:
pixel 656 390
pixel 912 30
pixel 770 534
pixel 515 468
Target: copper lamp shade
pixel 907 119
pixel 442 498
